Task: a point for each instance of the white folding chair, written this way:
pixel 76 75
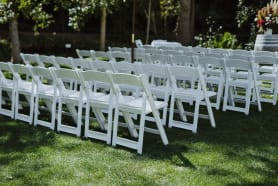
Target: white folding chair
pixel 188 85
pixel 214 73
pixel 142 105
pixel 7 90
pixel 239 86
pixel 160 85
pixel 47 94
pixel 266 71
pixel 25 87
pixel 71 99
pixel 100 103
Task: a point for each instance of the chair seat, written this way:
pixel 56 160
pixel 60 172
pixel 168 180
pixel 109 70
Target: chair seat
pixel 192 94
pixel 7 84
pixel 24 86
pixel 135 105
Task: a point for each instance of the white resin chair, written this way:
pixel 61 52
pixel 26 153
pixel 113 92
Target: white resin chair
pixel 101 103
pixel 239 86
pixel 159 83
pixel 7 91
pixel 266 72
pixel 214 74
pixel 143 105
pixel 73 100
pixel 188 85
pixel 24 93
pixel 47 93
pixel 48 61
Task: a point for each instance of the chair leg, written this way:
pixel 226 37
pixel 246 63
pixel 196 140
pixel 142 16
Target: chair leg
pixel 210 112
pixel 141 134
pixel 172 108
pixel 196 116
pixel 115 127
pixel 160 127
pixel 87 120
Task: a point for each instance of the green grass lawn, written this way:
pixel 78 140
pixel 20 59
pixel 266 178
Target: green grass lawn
pixel 241 150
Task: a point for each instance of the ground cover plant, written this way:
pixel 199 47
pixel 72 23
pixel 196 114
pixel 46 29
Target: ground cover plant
pixel 241 150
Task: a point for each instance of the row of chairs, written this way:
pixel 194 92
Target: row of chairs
pixel 215 75
pixel 265 64
pixel 187 85
pixel 49 85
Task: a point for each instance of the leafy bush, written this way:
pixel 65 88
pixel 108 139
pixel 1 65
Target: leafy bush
pixel 215 38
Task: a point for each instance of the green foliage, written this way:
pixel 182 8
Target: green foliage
pixel 215 38
pixel 169 8
pixel 30 9
pixel 79 11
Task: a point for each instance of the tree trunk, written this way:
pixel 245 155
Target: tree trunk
pixel 15 44
pixel 149 22
pixel 103 28
pixel 185 22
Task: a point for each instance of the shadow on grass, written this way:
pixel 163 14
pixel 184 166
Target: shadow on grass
pixel 16 136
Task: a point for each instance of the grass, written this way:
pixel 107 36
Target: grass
pixel 241 150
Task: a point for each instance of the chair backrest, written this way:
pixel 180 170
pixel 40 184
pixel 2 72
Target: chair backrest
pixel 124 67
pixel 137 82
pixel 156 74
pixel 182 60
pixel 218 51
pixel 153 51
pixel 84 53
pixel 268 63
pixel 265 60
pixel 118 49
pixel 6 72
pixel 89 78
pixel 212 62
pixel 31 59
pixel 172 52
pixel 62 76
pixel 103 66
pixel 200 50
pixel 240 57
pixel 84 64
pixel 119 56
pixel 143 58
pixel 138 43
pixel 161 59
pixel 102 55
pixel 43 73
pixel 64 62
pixel 241 52
pixel 265 53
pixel 234 66
pixel 48 61
pixel 186 77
